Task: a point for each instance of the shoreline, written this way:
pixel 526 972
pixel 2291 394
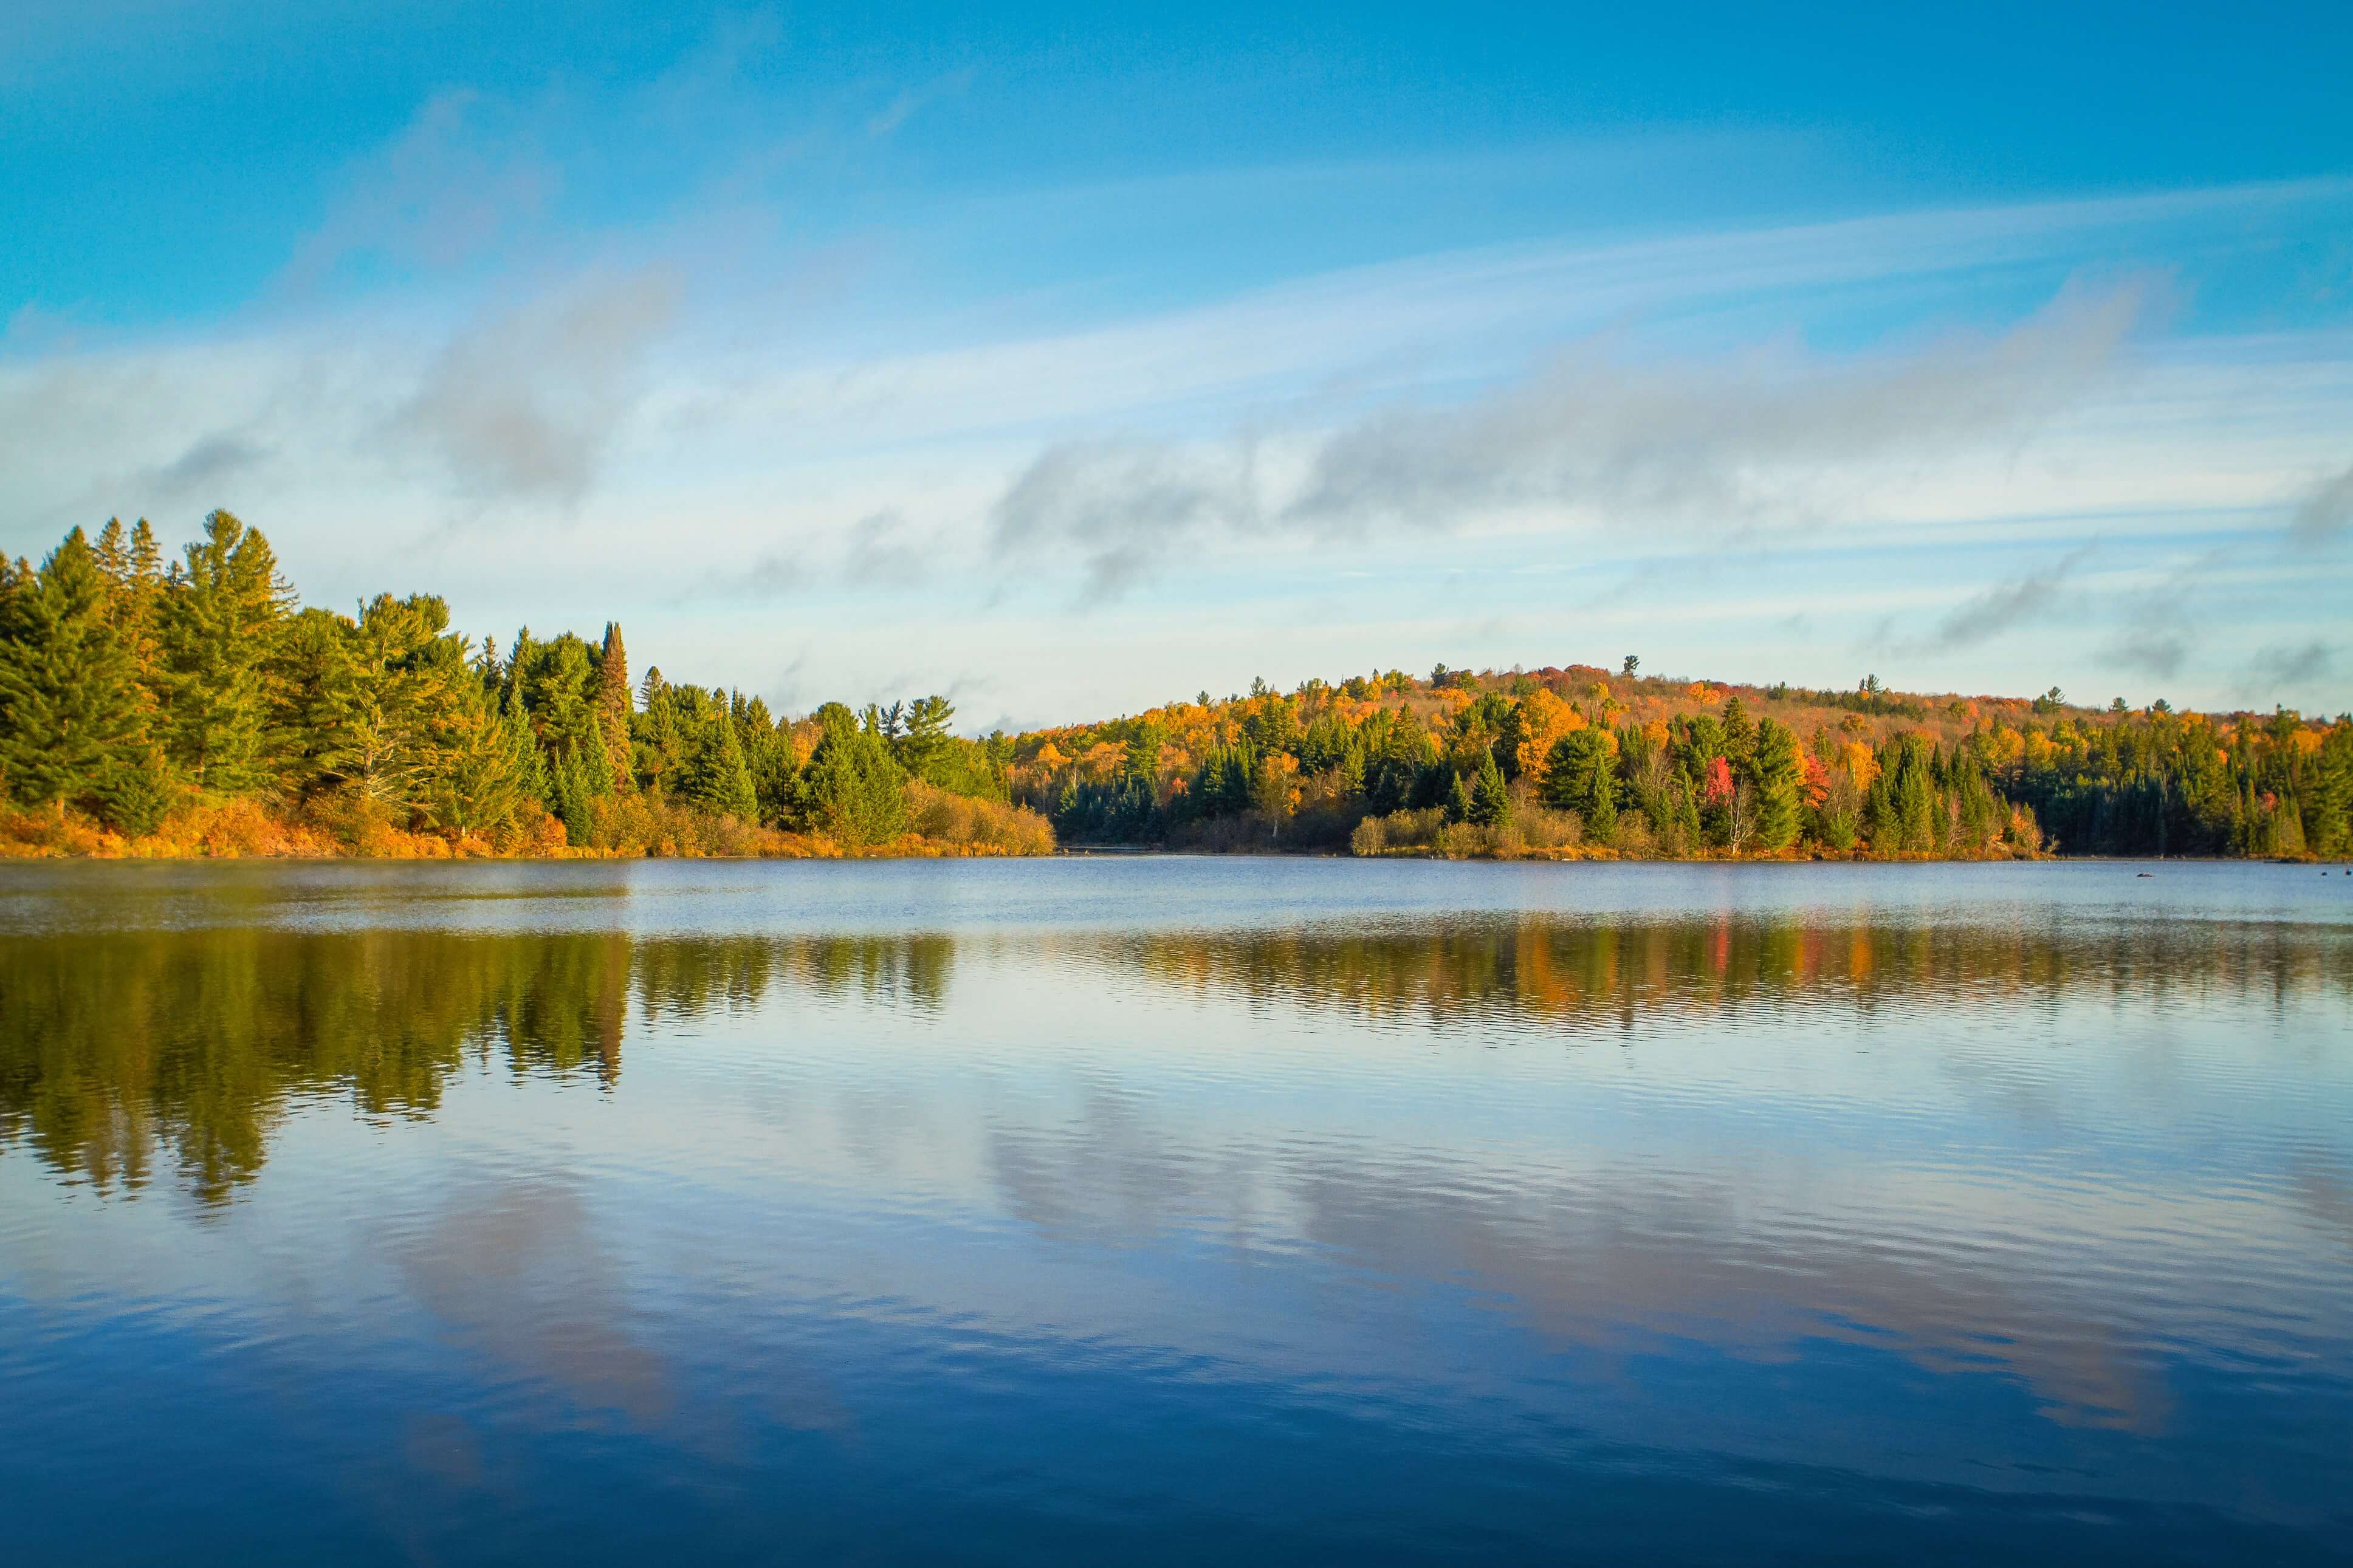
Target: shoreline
pixel 935 851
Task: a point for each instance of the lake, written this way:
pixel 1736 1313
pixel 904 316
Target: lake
pixel 1151 1210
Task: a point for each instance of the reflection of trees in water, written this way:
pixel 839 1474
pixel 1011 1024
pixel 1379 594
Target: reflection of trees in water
pixel 197 1041
pixel 1544 969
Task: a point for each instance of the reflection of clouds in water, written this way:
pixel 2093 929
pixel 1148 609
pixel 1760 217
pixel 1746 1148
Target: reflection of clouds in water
pixel 2325 1193
pixel 1616 1256
pixel 1377 1099
pixel 514 1272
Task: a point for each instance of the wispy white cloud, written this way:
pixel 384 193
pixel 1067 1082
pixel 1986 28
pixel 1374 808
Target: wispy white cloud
pixel 630 432
pixel 465 173
pixel 1761 439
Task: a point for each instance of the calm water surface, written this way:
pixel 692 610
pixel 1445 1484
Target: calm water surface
pixel 1148 1210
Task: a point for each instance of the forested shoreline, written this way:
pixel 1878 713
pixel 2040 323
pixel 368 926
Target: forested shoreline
pixel 195 708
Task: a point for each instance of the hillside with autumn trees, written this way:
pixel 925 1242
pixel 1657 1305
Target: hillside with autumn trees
pixel 1586 761
pixel 194 707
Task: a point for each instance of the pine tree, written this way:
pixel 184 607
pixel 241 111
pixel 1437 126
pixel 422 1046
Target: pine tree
pixel 1581 774
pixel 1740 734
pixel 139 599
pixel 225 608
pixel 402 675
pixel 924 744
pixel 853 790
pixel 718 779
pixel 70 702
pixel 525 759
pixel 475 783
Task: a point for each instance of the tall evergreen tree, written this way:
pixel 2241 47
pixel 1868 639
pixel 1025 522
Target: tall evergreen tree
pixel 70 702
pixel 718 778
pixel 1490 800
pixel 853 790
pixel 924 742
pixel 1458 799
pixel 225 608
pixel 1778 776
pixel 613 706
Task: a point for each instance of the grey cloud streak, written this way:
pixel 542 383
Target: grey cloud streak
pixel 526 403
pixel 2296 664
pixel 2007 603
pixel 2326 512
pixel 209 460
pixel 1756 440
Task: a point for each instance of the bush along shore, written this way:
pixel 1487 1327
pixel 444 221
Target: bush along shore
pixel 194 708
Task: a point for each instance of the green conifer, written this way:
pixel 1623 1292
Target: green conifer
pixel 70 702
pixel 1490 799
pixel 224 611
pixel 1458 799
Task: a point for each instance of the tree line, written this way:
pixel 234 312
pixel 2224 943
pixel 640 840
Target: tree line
pixel 155 701
pixel 1578 759
pixel 135 692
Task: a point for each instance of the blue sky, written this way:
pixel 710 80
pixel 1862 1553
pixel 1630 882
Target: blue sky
pixel 1069 361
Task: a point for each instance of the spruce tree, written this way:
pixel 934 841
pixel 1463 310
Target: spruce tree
pixel 1491 801
pixel 613 706
pixel 1458 799
pixel 1601 801
pixel 1777 776
pixel 1579 771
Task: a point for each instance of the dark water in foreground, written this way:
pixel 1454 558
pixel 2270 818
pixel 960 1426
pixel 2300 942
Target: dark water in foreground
pixel 1175 1210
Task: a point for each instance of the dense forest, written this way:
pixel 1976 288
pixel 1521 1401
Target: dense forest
pixel 1587 762
pixel 193 708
